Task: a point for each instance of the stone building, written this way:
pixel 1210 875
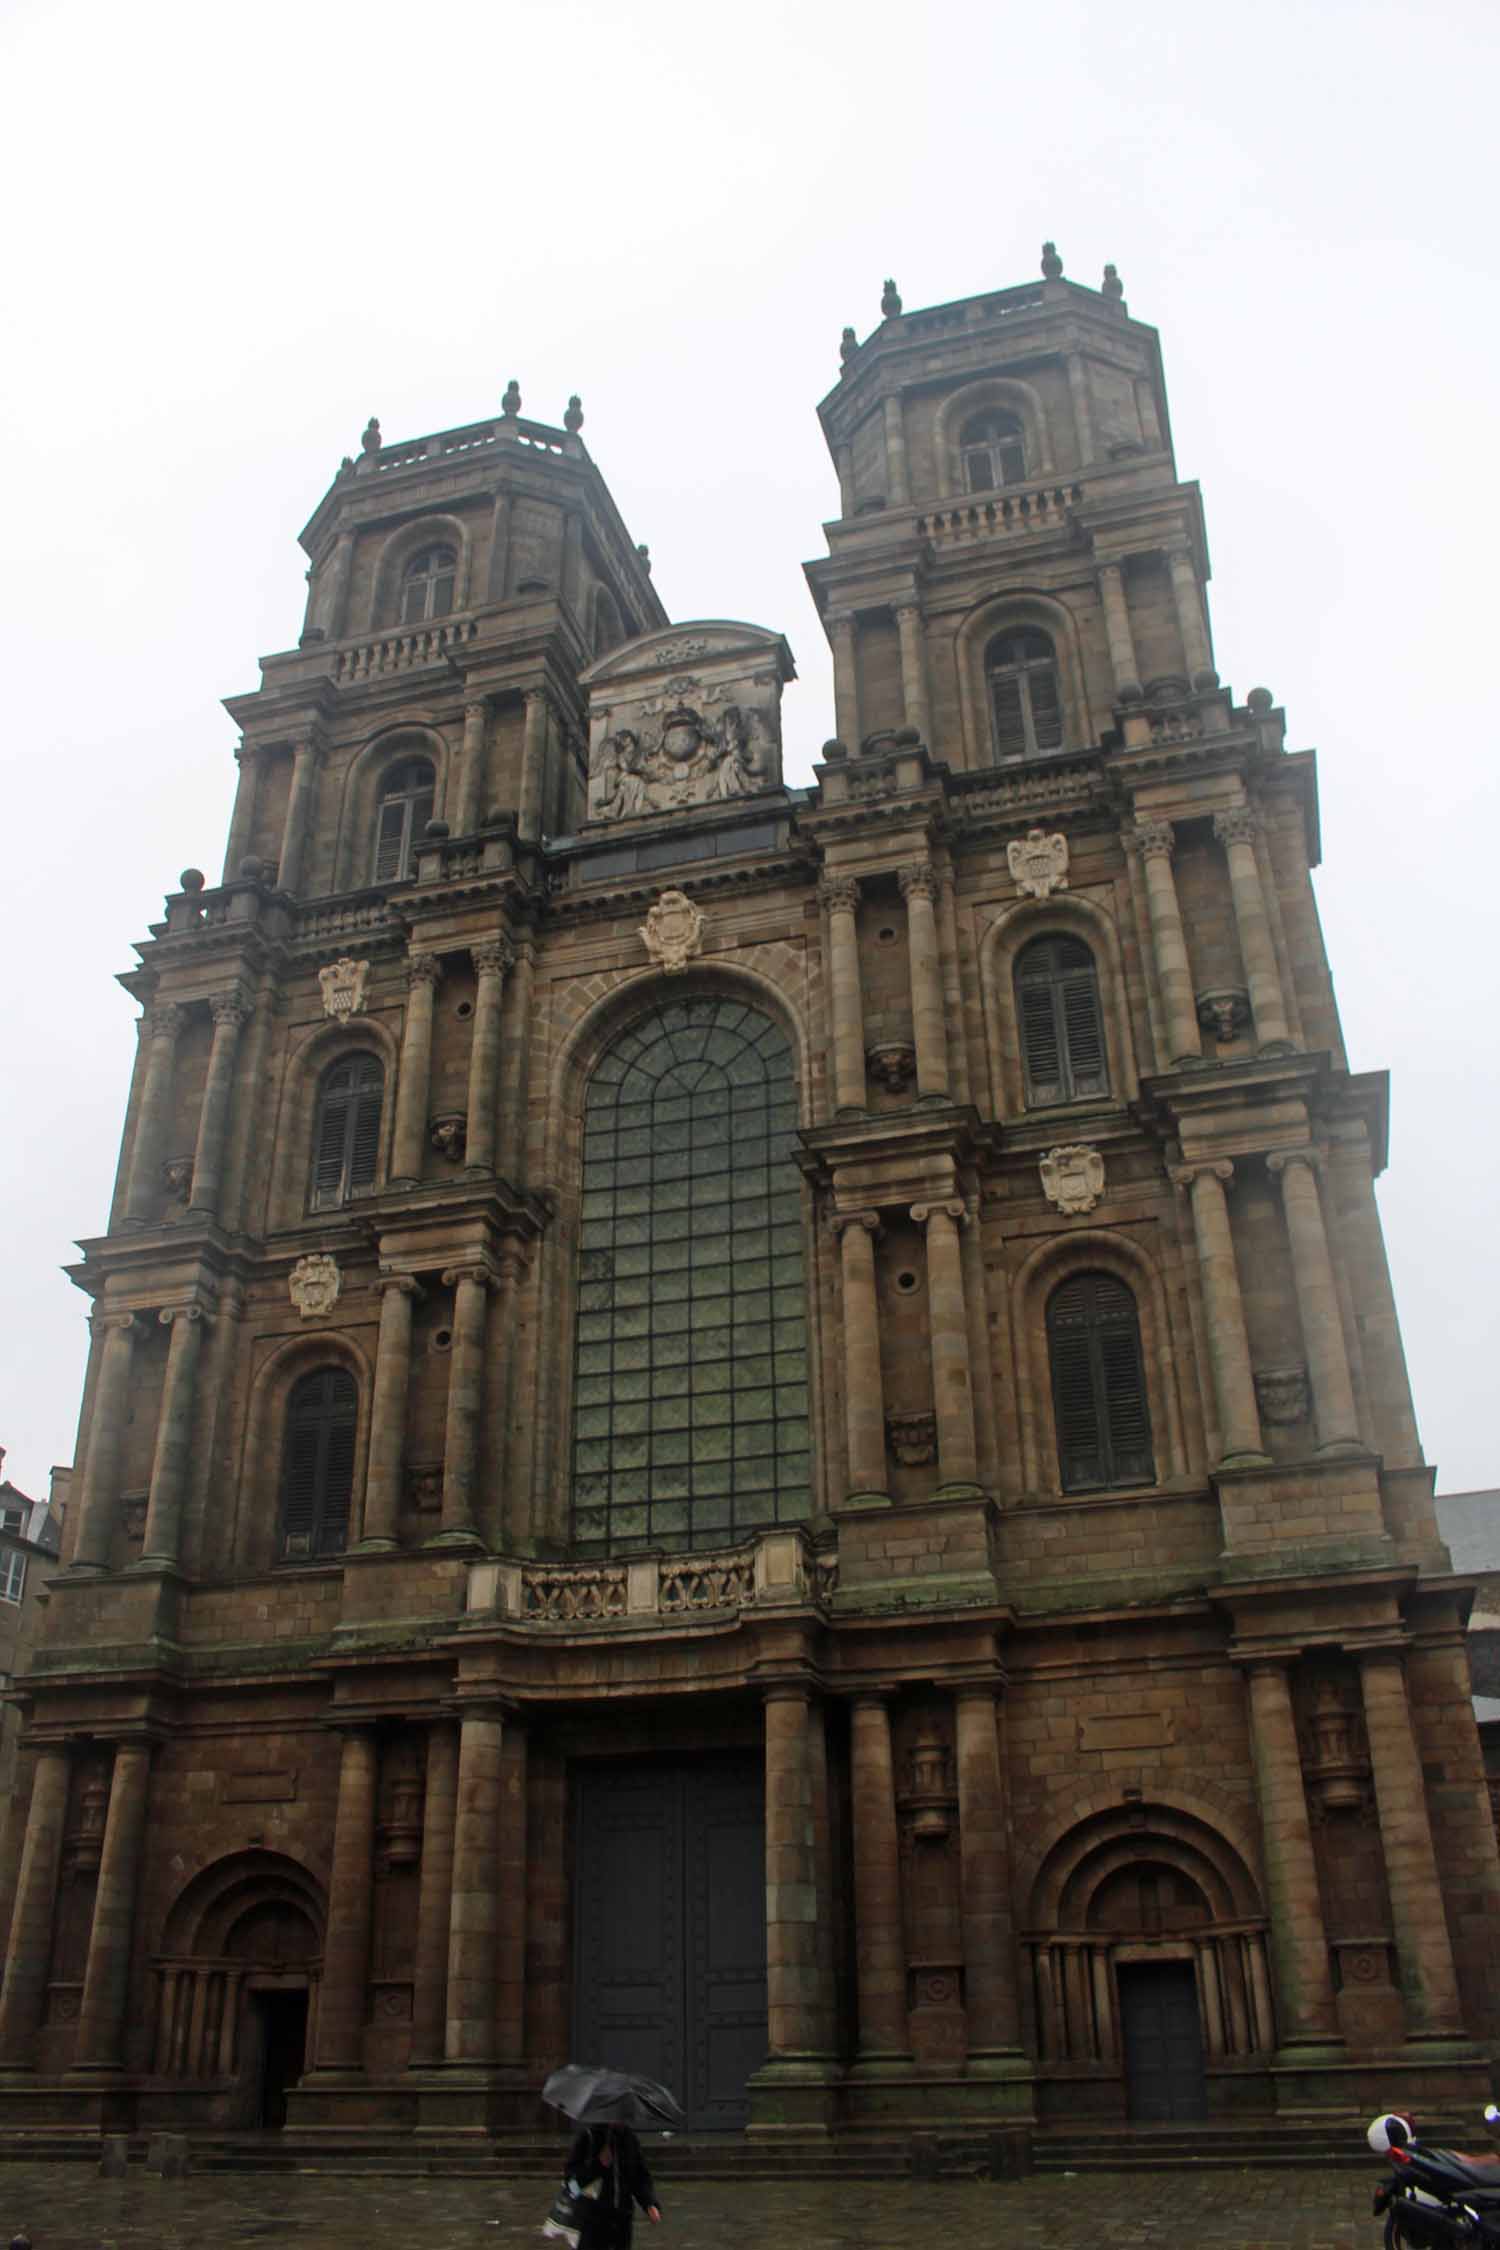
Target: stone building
pixel 756 1430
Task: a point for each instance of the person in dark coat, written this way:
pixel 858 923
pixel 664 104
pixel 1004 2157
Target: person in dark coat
pixel 612 2155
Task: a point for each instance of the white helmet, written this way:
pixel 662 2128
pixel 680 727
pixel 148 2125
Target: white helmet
pixel 1388 2131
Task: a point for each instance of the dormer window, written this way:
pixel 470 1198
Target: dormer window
pixel 994 452
pixel 427 585
pixel 405 807
pixel 1026 707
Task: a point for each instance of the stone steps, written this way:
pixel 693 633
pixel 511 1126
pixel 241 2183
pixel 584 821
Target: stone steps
pixel 1254 2145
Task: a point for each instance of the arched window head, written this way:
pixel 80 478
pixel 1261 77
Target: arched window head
pixel 346 1135
pixel 993 446
pixel 317 1464
pixel 1062 1029
pixel 690 1369
pixel 406 800
pixel 427 585
pixel 1025 704
pixel 1098 1384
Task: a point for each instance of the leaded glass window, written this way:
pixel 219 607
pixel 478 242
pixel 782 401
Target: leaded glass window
pixel 690 1371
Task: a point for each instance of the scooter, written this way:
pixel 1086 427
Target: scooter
pixel 1437 2198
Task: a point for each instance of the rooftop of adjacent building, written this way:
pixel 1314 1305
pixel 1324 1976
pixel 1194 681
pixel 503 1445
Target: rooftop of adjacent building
pixel 34 1522
pixel 1470 1524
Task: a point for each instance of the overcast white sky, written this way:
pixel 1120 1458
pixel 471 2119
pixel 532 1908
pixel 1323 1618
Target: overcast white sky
pixel 233 234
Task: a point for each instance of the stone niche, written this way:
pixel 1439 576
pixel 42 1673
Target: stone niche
pixel 687 717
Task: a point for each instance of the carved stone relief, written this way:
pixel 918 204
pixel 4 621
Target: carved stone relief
pixel 343 983
pixel 1073 1177
pixel 892 1064
pixel 673 931
pixel 913 1437
pixel 1038 863
pixel 448 1135
pixel 685 760
pixel 1225 1014
pixel 313 1284
pixel 1282 1394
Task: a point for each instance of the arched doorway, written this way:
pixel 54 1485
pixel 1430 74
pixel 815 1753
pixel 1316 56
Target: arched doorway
pixel 237 1982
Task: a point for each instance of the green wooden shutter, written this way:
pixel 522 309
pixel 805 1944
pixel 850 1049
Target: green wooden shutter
pixel 1083 1034
pixel 317 1469
pixel 1041 1049
pixel 1080 1434
pixel 1010 719
pixel 1127 1422
pixel 1046 707
pixel 1098 1384
pixel 390 838
pixel 364 1130
pixel 328 1142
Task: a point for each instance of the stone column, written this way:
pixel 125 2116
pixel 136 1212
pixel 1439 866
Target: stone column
pixel 898 484
pixel 229 2023
pixel 533 765
pixel 429 2014
pixel 231 1012
pixel 864 1400
pixel 792 1968
pixel 466 807
pixel 919 884
pixel 839 896
pixel 991 1997
pixel 1078 386
pixel 1122 654
pixel 154 1118
pixel 472 1920
pixel 242 820
pixel 947 1320
pixel 106 1980
pixel 1237 831
pixel 1153 840
pixel 28 1954
pixel 387 1450
pixel 174 1433
pixel 1191 623
pixel 845 678
pixel 1423 1949
pixel 510 1924
pixel 423 975
pixel 491 962
pixel 1223 1311
pixel 471 1286
pixel 1317 1297
pixel 879 1940
pixel 914 670
pixel 1299 1948
pixel 100 1496
pixel 346 1945
pixel 299 810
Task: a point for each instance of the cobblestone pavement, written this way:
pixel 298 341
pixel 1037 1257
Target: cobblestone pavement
pixel 66 2207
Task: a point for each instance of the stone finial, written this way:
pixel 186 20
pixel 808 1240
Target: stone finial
pixel 1113 287
pixel 645 554
pixel 573 419
pixel 369 437
pixel 1260 700
pixel 848 346
pixel 1051 262
pixel 890 300
pixel 191 879
pixel 510 405
pixel 346 465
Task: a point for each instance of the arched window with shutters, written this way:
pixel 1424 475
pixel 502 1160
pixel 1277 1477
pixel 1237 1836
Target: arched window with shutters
pixel 1098 1384
pixel 427 585
pixel 317 1464
pixel 402 814
pixel 346 1135
pixel 1062 1026
pixel 1020 669
pixel 993 447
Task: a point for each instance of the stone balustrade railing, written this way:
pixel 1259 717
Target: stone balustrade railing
pixel 432 643
pixel 1020 508
pixel 473 438
pixel 778 1568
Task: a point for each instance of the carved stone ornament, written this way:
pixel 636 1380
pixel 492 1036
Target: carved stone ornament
pixel 313 1284
pixel 1226 1014
pixel 448 1135
pixel 673 931
pixel 1282 1394
pixel 177 1177
pixel 1038 863
pixel 913 1438
pixel 688 760
pixel 1073 1177
pixel 343 983
pixel 893 1064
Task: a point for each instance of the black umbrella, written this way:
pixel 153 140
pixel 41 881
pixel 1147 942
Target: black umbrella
pixel 593 2096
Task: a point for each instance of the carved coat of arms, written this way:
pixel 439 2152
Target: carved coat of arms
pixel 313 1284
pixel 343 983
pixel 687 760
pixel 1073 1177
pixel 1038 863
pixel 673 931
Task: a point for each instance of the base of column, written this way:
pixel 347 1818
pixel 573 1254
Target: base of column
pixel 998 2063
pixel 1244 1461
pixel 862 1499
pixel 464 1536
pixel 1346 1448
pixel 870 2068
pixel 959 1491
pixel 794 2094
pixel 1275 1047
pixel 376 1544
pixel 1433 2076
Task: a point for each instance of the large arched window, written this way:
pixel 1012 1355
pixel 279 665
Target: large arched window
pixel 993 447
pixel 1062 1031
pixel 346 1134
pixel 1098 1384
pixel 690 1369
pixel 1020 669
pixel 427 585
pixel 403 811
pixel 317 1464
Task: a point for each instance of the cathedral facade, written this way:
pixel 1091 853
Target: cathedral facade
pixel 754 1430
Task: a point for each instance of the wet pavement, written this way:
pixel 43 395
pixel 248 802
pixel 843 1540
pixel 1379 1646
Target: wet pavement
pixel 67 2207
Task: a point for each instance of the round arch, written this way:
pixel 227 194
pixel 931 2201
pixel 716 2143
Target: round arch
pixel 410 738
pixel 322 1046
pixel 258 1495
pixel 1070 913
pixel 970 641
pixel 1011 396
pixel 424 531
pixel 251 1922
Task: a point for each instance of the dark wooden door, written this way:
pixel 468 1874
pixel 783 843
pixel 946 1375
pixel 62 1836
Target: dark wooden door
pixel 1164 2080
pixel 670 1929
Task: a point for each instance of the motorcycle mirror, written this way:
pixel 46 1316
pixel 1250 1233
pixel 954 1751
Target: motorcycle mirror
pixel 1491 2114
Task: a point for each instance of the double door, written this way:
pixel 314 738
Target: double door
pixel 1164 2076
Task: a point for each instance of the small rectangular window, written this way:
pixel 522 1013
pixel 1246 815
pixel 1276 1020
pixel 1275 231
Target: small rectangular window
pixel 12 1576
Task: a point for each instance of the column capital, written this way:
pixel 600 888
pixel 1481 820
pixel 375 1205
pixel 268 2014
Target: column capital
pixel 234 1007
pixel 955 1209
pixel 839 893
pixel 405 1284
pixel 190 1316
pixel 869 1220
pixel 541 695
pixel 919 876
pixel 1278 1162
pixel 1153 839
pixel 1177 552
pixel 453 1275
pixel 908 607
pixel 308 750
pixel 476 706
pixel 1183 1175
pixel 1380 1652
pixel 164 1019
pixel 423 968
pixel 116 1323
pixel 495 956
pixel 1111 569
pixel 1240 824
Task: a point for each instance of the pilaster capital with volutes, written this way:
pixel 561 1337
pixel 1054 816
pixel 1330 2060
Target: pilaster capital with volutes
pixel 953 1208
pixel 476 709
pixel 868 1220
pixel 482 1274
pixel 405 1284
pixel 1217 1168
pixel 1282 1159
pixel 164 1019
pixel 495 957
pixel 1240 824
pixel 839 894
pixel 539 695
pixel 105 1324
pixel 423 968
pixel 234 1007
pixel 1152 839
pixel 918 878
pixel 185 1316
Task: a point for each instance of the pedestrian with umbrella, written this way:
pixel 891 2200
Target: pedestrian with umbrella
pixel 607 2174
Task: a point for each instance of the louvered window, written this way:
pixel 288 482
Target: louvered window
pixel 427 585
pixel 1025 702
pixel 317 1467
pixel 405 807
pixel 346 1137
pixel 1062 1032
pixel 994 452
pixel 1098 1384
